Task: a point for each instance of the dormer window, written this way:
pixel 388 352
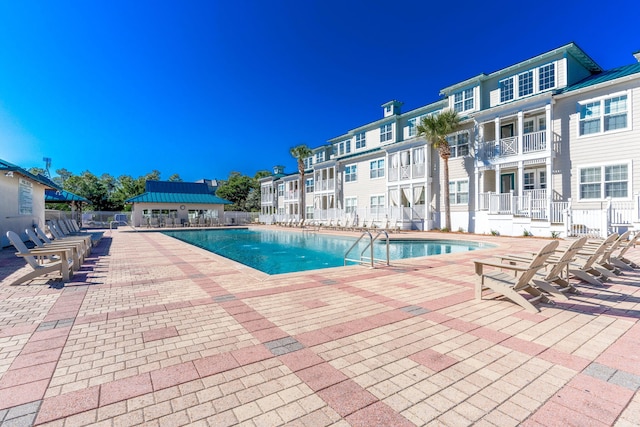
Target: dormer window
pixel 525 83
pixel 386 132
pixel 411 124
pixel 506 89
pixel 463 100
pixel 547 76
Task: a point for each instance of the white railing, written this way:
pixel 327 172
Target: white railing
pixel 536 194
pixel 325 185
pixel 418 170
pixel 291 195
pixel 535 141
pixel 393 174
pixel 622 213
pixel 509 146
pixel 559 211
pixel 496 203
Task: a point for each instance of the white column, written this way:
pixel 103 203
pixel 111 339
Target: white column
pixel 497 134
pixel 520 184
pixel 427 186
pixel 498 179
pixel 520 132
pixel 550 157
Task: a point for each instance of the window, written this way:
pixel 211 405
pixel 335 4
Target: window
pixel 377 204
pixel 547 77
pixel 542 123
pixel 411 125
pixel 308 162
pixel 506 89
pixel 350 204
pixel 459 192
pixel 529 181
pixel 525 83
pixel 309 212
pixel 280 190
pixel 377 168
pixel 386 132
pixel 463 100
pixel 343 148
pixel 309 185
pixel 319 156
pixel 361 140
pixel 601 182
pixel 350 173
pixel 459 144
pixel 528 126
pixel 603 115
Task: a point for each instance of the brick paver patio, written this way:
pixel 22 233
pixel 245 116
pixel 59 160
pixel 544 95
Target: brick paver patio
pixel 154 331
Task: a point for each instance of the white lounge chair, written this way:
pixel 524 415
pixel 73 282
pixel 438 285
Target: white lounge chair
pixel 64 265
pixel 77 248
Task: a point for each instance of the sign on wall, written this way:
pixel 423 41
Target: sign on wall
pixel 25 197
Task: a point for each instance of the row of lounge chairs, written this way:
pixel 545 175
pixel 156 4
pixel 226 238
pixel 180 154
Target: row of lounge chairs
pixel 63 252
pixel 153 222
pixel 344 225
pixel 546 274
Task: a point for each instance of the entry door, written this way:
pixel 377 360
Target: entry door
pixel 506 182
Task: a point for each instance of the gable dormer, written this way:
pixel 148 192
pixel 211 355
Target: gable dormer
pixel 391 108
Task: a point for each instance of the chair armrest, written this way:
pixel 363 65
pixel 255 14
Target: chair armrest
pixel 500 265
pixel 44 252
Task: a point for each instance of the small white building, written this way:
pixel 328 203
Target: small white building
pixel 166 203
pixel 21 200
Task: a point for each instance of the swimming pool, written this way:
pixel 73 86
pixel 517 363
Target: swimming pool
pixel 277 252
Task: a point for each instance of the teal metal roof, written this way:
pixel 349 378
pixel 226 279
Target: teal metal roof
pixel 10 167
pixel 62 196
pixel 606 76
pixel 177 187
pixel 153 197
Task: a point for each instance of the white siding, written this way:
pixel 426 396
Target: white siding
pixel 606 148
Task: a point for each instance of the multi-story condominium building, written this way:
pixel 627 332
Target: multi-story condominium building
pixel 540 142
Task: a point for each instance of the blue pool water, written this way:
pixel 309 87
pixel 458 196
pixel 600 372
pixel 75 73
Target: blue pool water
pixel 277 252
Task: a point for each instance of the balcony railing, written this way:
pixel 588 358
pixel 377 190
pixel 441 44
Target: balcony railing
pixel 535 141
pixel 506 147
pixel 291 195
pixel 325 185
pixel 402 173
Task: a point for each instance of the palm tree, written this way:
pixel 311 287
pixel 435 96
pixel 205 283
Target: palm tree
pixel 300 153
pixel 435 129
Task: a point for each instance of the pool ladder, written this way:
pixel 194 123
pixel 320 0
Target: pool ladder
pixel 368 260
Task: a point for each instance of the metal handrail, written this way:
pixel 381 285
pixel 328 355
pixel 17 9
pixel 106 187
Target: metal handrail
pixel 345 259
pixel 370 247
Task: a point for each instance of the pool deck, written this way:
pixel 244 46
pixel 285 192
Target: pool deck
pixel 157 332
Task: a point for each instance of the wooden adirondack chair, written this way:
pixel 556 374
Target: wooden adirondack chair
pixel 510 285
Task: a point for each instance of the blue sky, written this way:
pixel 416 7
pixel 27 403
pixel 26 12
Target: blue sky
pixel 205 87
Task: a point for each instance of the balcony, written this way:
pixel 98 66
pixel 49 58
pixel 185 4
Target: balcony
pixel 325 185
pixel 533 204
pixel 509 147
pixel 402 173
pixel 291 195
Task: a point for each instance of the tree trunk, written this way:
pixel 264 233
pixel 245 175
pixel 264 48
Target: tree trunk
pixel 447 201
